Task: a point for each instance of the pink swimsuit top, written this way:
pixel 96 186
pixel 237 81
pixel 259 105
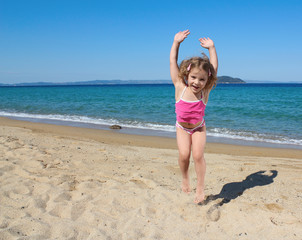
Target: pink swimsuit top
pixel 189 111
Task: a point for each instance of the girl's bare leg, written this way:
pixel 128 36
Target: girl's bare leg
pixel 198 145
pixel 184 148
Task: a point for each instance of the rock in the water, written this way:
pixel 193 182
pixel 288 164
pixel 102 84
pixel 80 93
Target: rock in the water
pixel 115 127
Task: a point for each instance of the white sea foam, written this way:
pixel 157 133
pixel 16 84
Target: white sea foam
pixel 89 120
pixel 251 136
pixel 212 132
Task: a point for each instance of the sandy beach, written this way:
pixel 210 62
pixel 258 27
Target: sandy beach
pixel 60 182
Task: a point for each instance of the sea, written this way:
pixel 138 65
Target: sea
pixel 267 115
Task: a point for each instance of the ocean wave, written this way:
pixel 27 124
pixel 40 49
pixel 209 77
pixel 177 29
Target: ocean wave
pixel 89 120
pixel 252 136
pixel 212 132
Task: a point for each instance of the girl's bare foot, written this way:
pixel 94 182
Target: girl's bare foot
pixel 199 198
pixel 186 185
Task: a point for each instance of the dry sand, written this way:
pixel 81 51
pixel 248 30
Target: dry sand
pixel 62 182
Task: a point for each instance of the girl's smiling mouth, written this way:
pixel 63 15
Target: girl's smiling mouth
pixel 195 87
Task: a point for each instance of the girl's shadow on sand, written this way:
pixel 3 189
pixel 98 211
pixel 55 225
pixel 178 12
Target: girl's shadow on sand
pixel 233 190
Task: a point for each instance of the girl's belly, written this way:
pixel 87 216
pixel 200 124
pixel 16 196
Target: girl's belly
pixel 189 125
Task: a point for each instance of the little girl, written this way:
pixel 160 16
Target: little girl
pixel 193 81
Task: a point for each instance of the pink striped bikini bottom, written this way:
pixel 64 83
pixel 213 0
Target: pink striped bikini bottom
pixel 191 130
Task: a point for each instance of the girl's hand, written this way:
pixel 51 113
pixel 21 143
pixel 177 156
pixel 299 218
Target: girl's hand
pixel 206 43
pixel 180 36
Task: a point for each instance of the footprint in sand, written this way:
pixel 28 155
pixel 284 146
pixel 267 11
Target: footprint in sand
pixel 61 210
pixel 213 213
pixel 77 211
pixel 24 189
pixel 273 207
pixel 19 192
pixel 38 203
pixel 139 183
pixel 63 197
pixel 7 168
pixel 143 182
pixel 42 202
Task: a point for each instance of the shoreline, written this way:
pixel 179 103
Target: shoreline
pixel 160 142
pixel 169 131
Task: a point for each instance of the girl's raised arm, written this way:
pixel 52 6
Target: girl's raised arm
pixel 178 39
pixel 209 44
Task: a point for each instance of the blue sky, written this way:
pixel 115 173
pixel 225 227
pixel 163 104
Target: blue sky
pixel 63 41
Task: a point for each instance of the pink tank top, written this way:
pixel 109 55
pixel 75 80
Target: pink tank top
pixel 189 111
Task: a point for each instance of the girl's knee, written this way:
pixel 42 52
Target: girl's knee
pixel 198 158
pixel 184 156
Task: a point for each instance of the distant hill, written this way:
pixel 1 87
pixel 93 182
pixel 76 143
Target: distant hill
pixel 221 80
pixel 228 80
pixel 89 83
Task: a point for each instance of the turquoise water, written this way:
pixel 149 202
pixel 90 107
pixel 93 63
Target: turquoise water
pixel 268 113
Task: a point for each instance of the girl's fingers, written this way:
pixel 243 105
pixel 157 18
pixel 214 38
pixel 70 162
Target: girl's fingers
pixel 185 32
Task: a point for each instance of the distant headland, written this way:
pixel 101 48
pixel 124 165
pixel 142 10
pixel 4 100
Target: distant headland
pixel 221 80
pixel 229 80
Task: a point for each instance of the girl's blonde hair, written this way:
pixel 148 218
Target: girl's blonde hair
pixel 198 62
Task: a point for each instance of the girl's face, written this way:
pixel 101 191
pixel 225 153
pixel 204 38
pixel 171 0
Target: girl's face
pixel 197 79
